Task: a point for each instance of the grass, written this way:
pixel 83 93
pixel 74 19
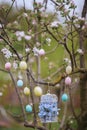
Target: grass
pixel 17 128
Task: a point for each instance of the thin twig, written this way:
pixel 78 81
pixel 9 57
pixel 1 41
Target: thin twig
pixel 64 117
pixel 32 97
pixel 19 97
pixel 9 9
pixel 72 108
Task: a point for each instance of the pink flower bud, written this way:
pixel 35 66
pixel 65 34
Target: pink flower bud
pixel 41 52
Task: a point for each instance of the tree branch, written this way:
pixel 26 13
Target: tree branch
pixel 20 100
pixel 35 126
pixel 84 11
pixel 8 43
pixel 9 9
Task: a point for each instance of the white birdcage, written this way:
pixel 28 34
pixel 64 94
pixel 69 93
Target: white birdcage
pixel 48 108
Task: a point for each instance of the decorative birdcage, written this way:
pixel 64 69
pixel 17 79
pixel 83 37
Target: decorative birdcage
pixel 48 108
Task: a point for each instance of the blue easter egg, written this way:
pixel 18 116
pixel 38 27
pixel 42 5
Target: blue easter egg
pixel 65 97
pixel 28 108
pixel 19 83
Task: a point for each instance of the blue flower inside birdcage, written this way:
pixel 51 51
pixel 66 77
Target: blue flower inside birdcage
pixel 48 108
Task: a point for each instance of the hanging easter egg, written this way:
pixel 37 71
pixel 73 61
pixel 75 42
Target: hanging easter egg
pixel 64 97
pixel 41 52
pixel 23 65
pixel 37 91
pixel 28 108
pixel 20 83
pixel 8 66
pixel 26 91
pixel 68 80
pixel 68 69
pixel 48 108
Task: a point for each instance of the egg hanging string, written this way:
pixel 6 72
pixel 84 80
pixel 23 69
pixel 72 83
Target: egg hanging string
pixel 48 91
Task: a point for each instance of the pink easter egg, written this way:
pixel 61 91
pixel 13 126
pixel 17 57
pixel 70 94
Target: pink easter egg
pixel 41 52
pixel 68 80
pixel 8 66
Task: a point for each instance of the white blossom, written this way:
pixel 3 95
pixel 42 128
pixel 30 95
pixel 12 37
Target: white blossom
pixel 45 58
pixel 48 40
pixel 15 22
pixel 6 53
pixel 71 122
pixel 67 61
pixel 81 18
pixel 27 37
pixel 72 2
pixel 19 38
pixel 77 25
pixel 38 44
pixel 36 51
pixel 51 65
pixel 14 55
pixel 83 27
pixel 76 80
pixel 15 65
pixel 80 51
pixel 27 50
pixel 25 15
pixel 41 52
pixel 54 24
pixel 1 94
pixel 0 25
pixel 58 85
pixel 20 33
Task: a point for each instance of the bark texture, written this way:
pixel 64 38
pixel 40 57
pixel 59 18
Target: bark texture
pixel 83 95
pixel 83 78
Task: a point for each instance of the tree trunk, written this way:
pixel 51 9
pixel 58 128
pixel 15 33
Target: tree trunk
pixel 83 97
pixel 83 79
pixel 84 11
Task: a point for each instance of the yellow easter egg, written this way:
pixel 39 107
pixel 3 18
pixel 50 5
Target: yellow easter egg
pixel 23 65
pixel 37 91
pixel 26 91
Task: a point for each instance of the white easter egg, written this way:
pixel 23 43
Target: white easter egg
pixel 68 69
